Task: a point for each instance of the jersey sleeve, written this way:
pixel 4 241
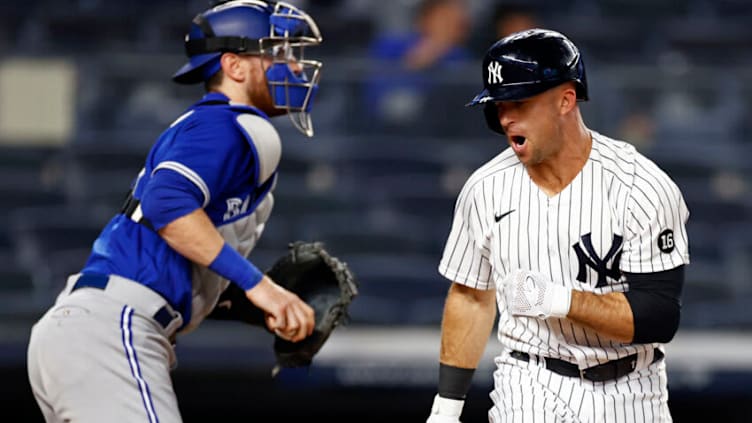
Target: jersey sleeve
pixel 209 154
pixel 465 258
pixel 656 235
pixel 168 196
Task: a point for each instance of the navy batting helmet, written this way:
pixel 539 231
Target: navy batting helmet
pixel 277 30
pixel 525 64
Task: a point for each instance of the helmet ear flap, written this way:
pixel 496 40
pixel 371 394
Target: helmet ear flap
pixel 492 117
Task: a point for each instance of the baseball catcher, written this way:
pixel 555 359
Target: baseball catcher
pixel 193 213
pixel 323 281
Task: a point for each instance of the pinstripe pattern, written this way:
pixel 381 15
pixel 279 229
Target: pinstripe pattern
pixel 619 194
pixel 527 392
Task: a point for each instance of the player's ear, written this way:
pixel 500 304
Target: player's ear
pixel 232 66
pixel 568 98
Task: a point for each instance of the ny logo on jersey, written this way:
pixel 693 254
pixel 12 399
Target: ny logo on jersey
pixel 600 265
pixel 494 73
pixel 236 206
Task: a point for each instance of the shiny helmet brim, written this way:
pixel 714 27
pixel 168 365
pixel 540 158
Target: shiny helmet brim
pixel 513 92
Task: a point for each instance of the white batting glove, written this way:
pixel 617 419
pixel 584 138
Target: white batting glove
pixel 530 294
pixel 445 410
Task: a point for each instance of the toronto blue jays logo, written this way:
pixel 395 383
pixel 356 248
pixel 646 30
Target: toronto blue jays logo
pixel 589 257
pixel 235 207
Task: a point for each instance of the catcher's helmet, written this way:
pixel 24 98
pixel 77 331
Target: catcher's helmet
pixel 278 30
pixel 525 64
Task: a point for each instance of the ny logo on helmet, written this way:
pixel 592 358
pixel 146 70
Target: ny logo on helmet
pixel 494 73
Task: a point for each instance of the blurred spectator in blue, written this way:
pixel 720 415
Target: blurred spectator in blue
pixel 406 62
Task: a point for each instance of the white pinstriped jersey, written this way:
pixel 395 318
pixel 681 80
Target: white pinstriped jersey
pixel 621 213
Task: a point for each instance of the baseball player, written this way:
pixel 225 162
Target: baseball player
pixel 577 239
pixel 104 350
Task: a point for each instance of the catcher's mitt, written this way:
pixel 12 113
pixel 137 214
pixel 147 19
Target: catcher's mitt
pixel 326 284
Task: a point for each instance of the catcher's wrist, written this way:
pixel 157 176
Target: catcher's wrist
pixel 561 300
pixel 232 266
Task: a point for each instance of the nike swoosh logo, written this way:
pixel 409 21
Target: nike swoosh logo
pixel 498 217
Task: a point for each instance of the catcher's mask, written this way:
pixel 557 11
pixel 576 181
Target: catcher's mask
pixel 525 64
pixel 277 30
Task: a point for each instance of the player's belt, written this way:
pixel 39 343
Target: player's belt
pixel 140 297
pixel 610 370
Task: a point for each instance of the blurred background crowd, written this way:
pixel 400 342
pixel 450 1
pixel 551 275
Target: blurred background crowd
pixel 85 89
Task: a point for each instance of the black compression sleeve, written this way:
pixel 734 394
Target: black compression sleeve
pixel 454 382
pixel 655 299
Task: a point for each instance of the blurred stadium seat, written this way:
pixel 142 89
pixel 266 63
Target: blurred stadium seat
pixel 100 175
pixel 53 242
pixel 411 278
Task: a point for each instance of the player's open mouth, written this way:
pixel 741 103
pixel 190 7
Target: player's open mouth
pixel 517 139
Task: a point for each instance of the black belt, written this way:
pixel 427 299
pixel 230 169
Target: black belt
pixel 93 280
pixel 613 369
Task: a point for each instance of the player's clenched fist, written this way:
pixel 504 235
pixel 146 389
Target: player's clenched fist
pixel 530 294
pixel 286 314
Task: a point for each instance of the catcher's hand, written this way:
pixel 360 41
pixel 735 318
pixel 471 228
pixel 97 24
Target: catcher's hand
pixel 326 284
pixel 286 314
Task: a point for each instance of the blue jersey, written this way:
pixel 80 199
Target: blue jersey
pixel 219 156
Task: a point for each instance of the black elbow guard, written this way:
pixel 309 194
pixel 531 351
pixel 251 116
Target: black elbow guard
pixel 656 318
pixel 656 305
